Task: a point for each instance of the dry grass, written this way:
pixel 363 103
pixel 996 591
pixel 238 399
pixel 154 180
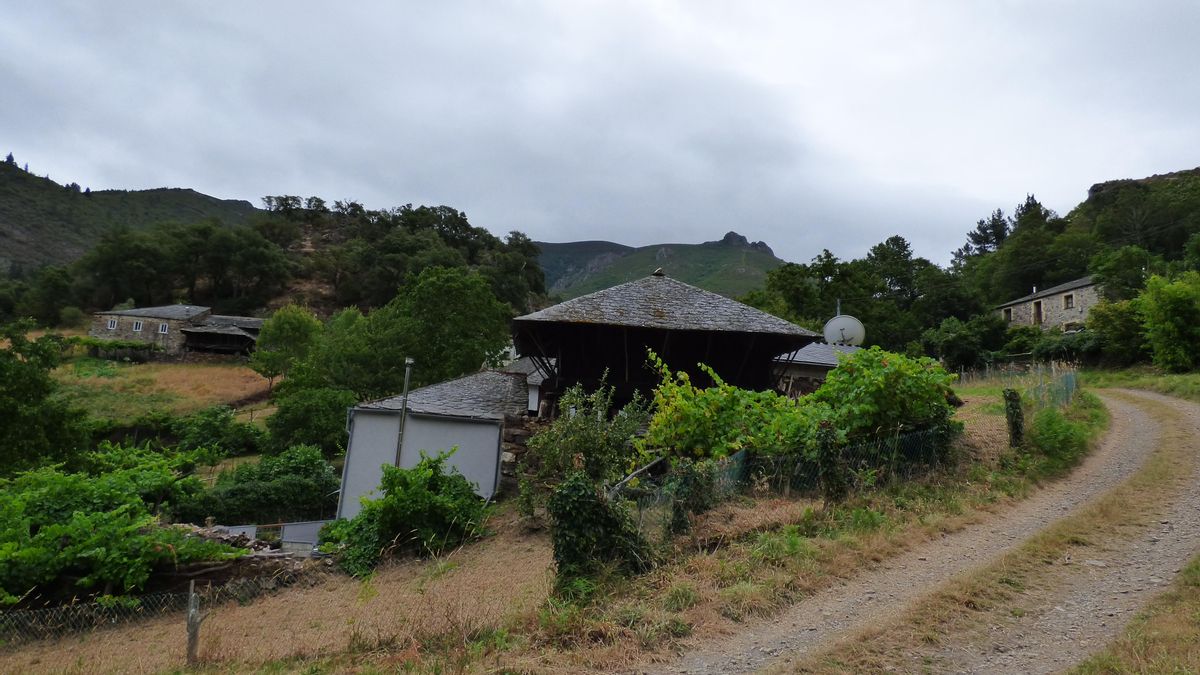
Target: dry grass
pixel 489 607
pixel 124 392
pixel 969 604
pixel 404 613
pixel 1165 638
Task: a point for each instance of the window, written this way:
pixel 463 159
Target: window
pixel 1008 314
pixel 137 326
pixel 1069 301
pixel 112 324
pixel 162 328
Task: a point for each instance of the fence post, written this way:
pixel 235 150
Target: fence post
pixel 194 618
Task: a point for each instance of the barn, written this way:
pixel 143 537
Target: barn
pixel 467 413
pixel 606 334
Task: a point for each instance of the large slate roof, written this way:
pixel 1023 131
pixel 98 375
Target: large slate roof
pixel 170 312
pixel 207 329
pixel 817 354
pixel 658 301
pixel 1053 290
pixel 484 395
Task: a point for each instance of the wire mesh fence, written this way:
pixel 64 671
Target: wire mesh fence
pixel 659 505
pixel 1053 392
pixel 27 625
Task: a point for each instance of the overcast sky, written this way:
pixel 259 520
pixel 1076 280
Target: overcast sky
pixel 807 125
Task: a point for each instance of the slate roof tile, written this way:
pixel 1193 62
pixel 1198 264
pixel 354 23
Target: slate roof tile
pixel 817 354
pixel 487 394
pixel 658 301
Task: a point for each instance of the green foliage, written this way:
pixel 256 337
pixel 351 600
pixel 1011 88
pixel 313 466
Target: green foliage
pixel 311 417
pixel 1118 330
pixel 586 435
pixel 365 353
pixel 590 533
pixel 423 510
pixel 876 393
pixel 1122 272
pixel 720 420
pixel 1170 312
pixel 35 427
pixel 216 429
pixel 1083 346
pixel 297 484
pixel 965 344
pixel 285 339
pixel 72 317
pixel 97 528
pixel 693 489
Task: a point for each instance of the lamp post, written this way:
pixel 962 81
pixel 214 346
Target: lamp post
pixel 408 364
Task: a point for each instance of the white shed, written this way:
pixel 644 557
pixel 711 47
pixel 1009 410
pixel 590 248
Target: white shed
pixel 467 413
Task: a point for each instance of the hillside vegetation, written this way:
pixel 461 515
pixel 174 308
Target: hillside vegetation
pixel 42 222
pixel 732 266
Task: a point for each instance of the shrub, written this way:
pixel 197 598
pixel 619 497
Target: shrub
pixel 586 432
pixel 297 484
pixel 590 532
pixel 1118 329
pixel 423 510
pixel 874 393
pixel 1170 312
pixel 61 531
pixel 693 488
pixel 311 417
pixel 217 428
pixel 723 419
pixel 72 317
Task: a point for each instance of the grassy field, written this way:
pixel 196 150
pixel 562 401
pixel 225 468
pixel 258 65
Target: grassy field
pixel 1185 385
pixel 489 607
pixel 124 392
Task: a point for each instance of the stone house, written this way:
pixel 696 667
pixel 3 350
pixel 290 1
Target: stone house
pixel 1064 306
pixel 178 328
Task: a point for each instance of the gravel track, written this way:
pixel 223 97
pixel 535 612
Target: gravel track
pixel 885 592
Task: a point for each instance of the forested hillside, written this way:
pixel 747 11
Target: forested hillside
pixel 1126 234
pixel 42 222
pixel 731 266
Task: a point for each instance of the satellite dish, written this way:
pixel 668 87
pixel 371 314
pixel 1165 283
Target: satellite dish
pixel 844 329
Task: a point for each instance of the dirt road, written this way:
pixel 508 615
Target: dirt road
pixel 1085 606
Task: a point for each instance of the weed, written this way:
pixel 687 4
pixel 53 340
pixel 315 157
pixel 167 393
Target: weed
pixel 744 599
pixel 681 596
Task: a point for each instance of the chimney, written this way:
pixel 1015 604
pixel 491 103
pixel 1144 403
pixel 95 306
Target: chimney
pixel 1035 289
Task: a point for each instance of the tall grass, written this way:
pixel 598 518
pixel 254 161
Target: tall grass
pixel 1184 385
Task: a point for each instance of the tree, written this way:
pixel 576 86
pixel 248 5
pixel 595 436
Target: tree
pixel 1122 273
pixel 1170 312
pixel 10 159
pixel 35 427
pixel 988 234
pixel 285 339
pixel 311 417
pixel 1118 327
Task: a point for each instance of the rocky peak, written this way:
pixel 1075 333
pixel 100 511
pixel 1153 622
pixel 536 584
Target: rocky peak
pixel 734 239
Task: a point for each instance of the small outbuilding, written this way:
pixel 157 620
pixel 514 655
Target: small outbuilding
pixel 802 371
pixel 607 334
pixel 467 413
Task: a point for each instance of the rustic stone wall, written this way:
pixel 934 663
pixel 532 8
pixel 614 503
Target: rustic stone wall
pixel 171 342
pixel 514 443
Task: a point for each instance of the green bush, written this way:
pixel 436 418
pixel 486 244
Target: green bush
pixel 1118 329
pixel 720 420
pixel 1170 312
pixel 423 510
pixel 875 393
pixel 693 489
pixel 72 317
pixel 588 433
pixel 65 531
pixel 297 484
pixel 590 533
pixel 1058 437
pixel 311 417
pixel 217 429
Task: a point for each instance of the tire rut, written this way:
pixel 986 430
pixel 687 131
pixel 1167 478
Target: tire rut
pixel 1089 602
pixel 884 592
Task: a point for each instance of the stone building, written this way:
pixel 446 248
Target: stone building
pixel 1064 306
pixel 178 328
pixel 802 371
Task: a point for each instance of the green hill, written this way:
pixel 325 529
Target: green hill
pixel 732 266
pixel 43 222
